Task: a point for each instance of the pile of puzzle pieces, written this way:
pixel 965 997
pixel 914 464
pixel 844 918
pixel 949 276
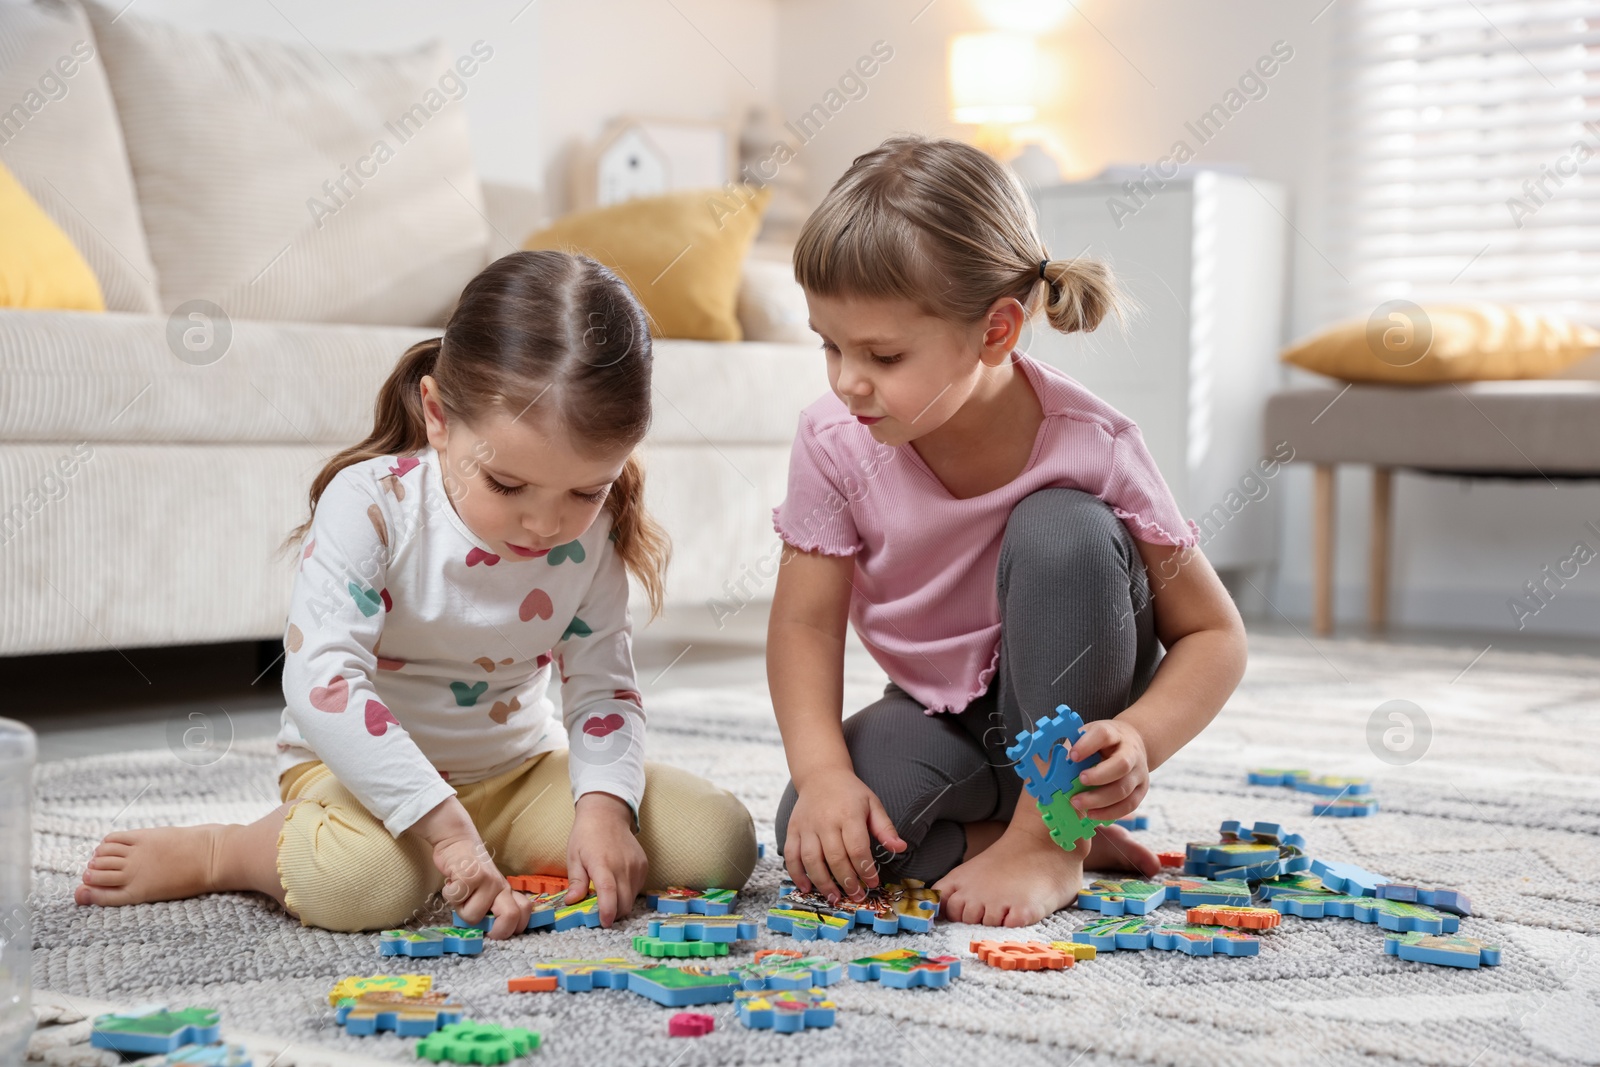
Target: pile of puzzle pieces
pixel 888 909
pixel 1042 757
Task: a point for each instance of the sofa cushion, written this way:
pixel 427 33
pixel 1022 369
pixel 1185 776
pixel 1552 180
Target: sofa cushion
pixel 118 377
pixel 282 181
pixel 39 267
pixel 59 135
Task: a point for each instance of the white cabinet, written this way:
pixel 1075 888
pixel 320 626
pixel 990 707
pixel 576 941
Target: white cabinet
pixel 1203 259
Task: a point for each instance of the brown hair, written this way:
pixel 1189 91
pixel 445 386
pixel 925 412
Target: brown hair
pixel 546 327
pixel 947 227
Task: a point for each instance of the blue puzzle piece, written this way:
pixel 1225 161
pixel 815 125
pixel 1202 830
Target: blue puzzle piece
pixel 807 925
pixel 417 1016
pixel 785 1011
pixel 1197 940
pixel 1347 878
pixel 904 968
pixel 1346 807
pixel 154 1029
pixel 889 908
pixel 1275 776
pixel 1443 951
pixel 1134 822
pixel 725 929
pixel 584 976
pixel 431 941
pixel 1109 935
pixel 679 900
pixel 544 907
pixel 219 1055
pixel 1124 897
pixel 789 972
pixel 1314 905
pixel 1451 900
pixel 675 987
pixel 1192 892
pixel 1040 756
pixel 1332 786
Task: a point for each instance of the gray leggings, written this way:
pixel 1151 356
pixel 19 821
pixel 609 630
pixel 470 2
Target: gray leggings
pixel 1075 629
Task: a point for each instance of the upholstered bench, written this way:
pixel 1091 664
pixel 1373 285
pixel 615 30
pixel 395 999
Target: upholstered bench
pixel 1545 429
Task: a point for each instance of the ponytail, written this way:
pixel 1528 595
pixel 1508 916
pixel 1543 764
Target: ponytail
pixel 398 425
pixel 1079 293
pixel 641 542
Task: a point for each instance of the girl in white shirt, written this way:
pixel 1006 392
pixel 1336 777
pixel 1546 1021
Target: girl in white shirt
pixel 475 546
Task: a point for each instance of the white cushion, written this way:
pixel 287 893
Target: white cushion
pixel 231 142
pixel 59 136
pixel 772 306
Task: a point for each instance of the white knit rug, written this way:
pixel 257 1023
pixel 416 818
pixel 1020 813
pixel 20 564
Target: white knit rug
pixel 1505 805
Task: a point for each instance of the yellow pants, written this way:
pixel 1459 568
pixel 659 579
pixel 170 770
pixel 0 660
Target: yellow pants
pixel 342 871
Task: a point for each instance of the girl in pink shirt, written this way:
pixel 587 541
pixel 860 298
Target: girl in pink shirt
pixel 999 537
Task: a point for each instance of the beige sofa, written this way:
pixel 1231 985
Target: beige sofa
pixel 143 495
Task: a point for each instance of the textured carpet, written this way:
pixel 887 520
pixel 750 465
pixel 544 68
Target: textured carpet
pixel 1505 804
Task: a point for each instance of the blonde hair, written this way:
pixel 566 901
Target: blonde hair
pixel 947 227
pixel 528 324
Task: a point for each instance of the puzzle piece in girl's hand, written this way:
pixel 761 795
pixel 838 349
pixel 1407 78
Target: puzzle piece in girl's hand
pixel 407 1016
pixel 1347 878
pixel 682 987
pixel 1229 915
pixel 655 946
pixel 787 1011
pixel 679 900
pixel 1123 896
pixel 585 912
pixel 407 984
pixel 537 883
pixel 431 941
pixel 543 907
pixel 889 908
pixel 1108 935
pixel 1329 785
pixel 583 976
pixel 1347 807
pixel 1022 955
pixel 1041 756
pixel 1193 891
pixel 902 968
pixel 1444 951
pixel 782 969
pixel 724 928
pixel 805 925
pixel 155 1029
pixel 1204 940
pixel 1066 824
pixel 1452 900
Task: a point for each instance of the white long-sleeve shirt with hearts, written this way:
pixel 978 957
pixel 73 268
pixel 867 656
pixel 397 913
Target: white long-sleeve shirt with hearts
pixel 415 657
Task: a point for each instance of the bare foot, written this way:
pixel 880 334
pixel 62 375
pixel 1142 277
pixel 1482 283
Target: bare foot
pixel 1016 881
pixel 1115 849
pixel 177 862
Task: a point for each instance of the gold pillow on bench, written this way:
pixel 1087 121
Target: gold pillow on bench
pixel 1446 343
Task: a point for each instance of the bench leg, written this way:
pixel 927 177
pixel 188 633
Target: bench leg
pixel 1322 550
pixel 1378 549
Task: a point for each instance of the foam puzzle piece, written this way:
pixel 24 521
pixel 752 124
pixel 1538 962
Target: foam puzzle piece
pixel 724 928
pixel 1348 878
pixel 656 947
pixel 155 1028
pixel 682 987
pixel 1077 950
pixel 1123 896
pixel 903 968
pixel 1193 891
pixel 585 912
pixel 690 1024
pixel 532 983
pixel 583 976
pixel 786 969
pixel 1022 955
pixel 1314 905
pixel 1041 756
pixel 407 984
pixel 431 941
pixel 1276 776
pixel 679 900
pixel 537 883
pixel 1170 859
pixel 1292 883
pixel 786 1011
pixel 1329 785
pixel 544 906
pixel 1396 915
pixel 1134 822
pixel 1066 824
pixel 1112 934
pixel 219 1055
pixel 761 850
pixel 889 908
pixel 1243 918
pixel 1451 900
pixel 477 1043
pixel 1442 951
pixel 807 925
pixel 1347 807
pixel 1204 940
pixel 407 1016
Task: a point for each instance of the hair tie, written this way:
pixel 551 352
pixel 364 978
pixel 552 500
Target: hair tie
pixel 1043 263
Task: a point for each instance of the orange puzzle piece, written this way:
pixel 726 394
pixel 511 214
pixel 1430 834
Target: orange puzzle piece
pixel 533 983
pixel 1170 859
pixel 1236 916
pixel 537 883
pixel 1021 955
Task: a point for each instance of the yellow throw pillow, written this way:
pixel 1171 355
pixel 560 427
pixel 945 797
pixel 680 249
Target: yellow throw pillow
pixel 1446 343
pixel 683 254
pixel 39 266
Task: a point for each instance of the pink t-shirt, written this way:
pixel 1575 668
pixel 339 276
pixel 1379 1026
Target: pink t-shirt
pixel 924 602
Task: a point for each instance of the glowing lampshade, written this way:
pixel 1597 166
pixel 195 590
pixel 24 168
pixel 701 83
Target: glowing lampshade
pixel 993 77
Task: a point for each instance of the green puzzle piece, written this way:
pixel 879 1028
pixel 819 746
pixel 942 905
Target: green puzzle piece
pixel 1066 826
pixel 477 1043
pixel 157 1023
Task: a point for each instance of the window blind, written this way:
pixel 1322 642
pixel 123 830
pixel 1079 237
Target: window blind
pixel 1466 154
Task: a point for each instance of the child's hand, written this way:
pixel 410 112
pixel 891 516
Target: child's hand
pixel 830 837
pixel 474 886
pixel 603 851
pixel 1122 777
